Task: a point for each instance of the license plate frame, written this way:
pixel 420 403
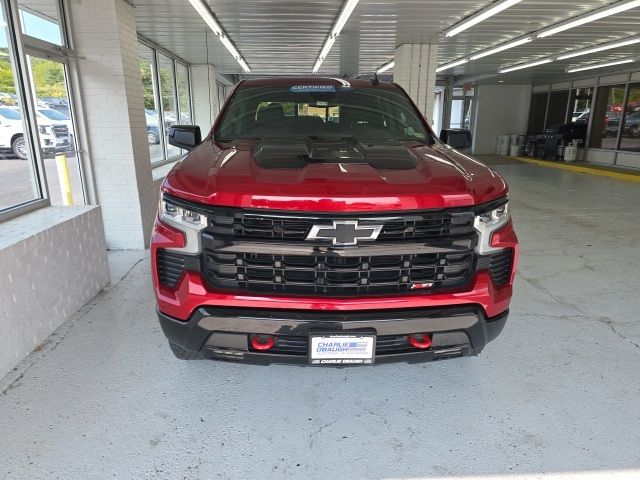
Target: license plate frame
pixel 360 351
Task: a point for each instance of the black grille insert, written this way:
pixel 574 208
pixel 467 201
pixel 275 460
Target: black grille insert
pixel 500 266
pixel 171 266
pixel 326 274
pixel 243 225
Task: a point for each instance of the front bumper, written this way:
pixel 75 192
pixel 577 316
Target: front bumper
pixel 223 333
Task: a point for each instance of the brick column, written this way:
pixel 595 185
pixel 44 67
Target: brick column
pixel 112 96
pixel 415 71
pixel 204 91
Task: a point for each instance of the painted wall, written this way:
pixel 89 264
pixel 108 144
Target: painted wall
pixel 500 109
pixel 52 262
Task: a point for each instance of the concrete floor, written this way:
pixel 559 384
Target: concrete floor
pixel 557 395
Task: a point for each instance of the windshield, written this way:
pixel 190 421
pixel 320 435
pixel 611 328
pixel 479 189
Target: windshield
pixel 321 111
pixel 10 113
pixel 53 115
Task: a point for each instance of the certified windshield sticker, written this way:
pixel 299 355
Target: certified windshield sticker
pixel 312 88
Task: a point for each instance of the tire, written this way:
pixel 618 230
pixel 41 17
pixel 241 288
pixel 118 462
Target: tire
pixel 152 138
pixel 183 353
pixel 19 147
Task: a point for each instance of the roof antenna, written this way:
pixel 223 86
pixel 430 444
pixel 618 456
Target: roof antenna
pixel 375 80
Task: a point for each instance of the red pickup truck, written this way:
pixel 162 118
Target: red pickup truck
pixel 322 222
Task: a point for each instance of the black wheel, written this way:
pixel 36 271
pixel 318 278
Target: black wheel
pixel 183 353
pixel 152 138
pixel 19 147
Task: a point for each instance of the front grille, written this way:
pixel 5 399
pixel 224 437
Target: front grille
pixel 326 274
pixel 60 130
pixel 500 266
pixel 299 345
pixel 415 252
pixel 242 225
pixel 171 266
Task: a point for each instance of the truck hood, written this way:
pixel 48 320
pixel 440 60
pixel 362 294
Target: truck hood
pixel 387 176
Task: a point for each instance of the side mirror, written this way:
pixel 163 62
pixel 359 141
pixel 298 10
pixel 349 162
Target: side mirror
pixel 184 136
pixel 458 138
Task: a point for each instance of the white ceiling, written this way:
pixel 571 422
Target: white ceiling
pixel 285 36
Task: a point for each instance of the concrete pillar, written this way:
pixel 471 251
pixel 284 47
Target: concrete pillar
pixel 109 77
pixel 204 91
pixel 349 52
pixel 415 71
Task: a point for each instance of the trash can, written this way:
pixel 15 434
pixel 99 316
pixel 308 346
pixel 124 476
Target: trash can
pixel 502 148
pixel 571 152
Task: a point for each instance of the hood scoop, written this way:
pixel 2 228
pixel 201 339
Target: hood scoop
pixel 381 154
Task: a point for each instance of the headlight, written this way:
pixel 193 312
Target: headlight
pixel 176 214
pixel 45 129
pixel 188 221
pixel 488 222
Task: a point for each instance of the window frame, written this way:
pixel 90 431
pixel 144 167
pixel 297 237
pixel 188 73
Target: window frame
pixel 624 114
pixel 156 49
pixel 20 45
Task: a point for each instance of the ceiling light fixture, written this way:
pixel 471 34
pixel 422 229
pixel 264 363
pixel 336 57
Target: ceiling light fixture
pixel 386 66
pixel 203 9
pixel 480 16
pixel 343 16
pixel 600 65
pixel 451 65
pixel 600 48
pixel 618 7
pixel 525 65
pixel 501 48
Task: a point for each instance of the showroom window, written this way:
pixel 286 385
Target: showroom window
pixel 41 19
pixel 607 113
pixel 557 109
pixel 537 112
pixel 461 108
pixel 167 99
pixel 630 137
pixel 40 163
pixel 150 89
pixel 580 105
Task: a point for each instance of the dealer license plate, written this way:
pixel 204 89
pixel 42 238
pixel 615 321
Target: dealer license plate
pixel 341 349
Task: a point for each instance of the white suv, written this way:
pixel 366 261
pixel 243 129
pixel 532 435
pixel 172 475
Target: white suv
pixel 53 138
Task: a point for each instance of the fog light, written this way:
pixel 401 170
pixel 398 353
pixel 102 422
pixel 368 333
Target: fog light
pixel 262 342
pixel 420 340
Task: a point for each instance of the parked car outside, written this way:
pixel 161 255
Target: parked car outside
pixel 58 104
pixel 56 117
pixel 632 124
pixel 53 138
pixel 153 132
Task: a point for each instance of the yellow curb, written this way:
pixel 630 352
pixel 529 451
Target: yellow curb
pixel 630 177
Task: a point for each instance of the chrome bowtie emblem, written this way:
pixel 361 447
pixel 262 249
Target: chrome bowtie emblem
pixel 345 233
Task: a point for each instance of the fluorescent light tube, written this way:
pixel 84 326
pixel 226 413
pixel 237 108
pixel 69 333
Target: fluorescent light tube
pixel 501 48
pixel 590 17
pixel 244 65
pixel 343 16
pixel 206 15
pixel 482 15
pixel 600 65
pixel 386 66
pixel 525 65
pixel 229 46
pixel 203 9
pixel 345 13
pixel 600 48
pixel 451 65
